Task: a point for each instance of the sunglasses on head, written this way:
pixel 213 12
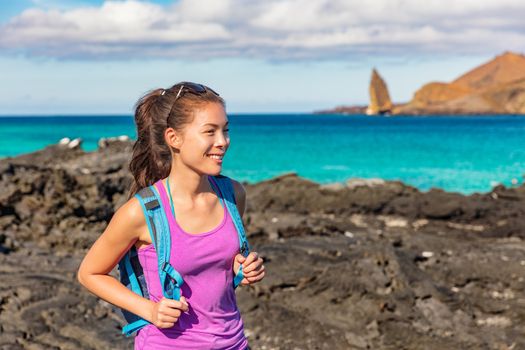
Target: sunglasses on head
pixel 192 88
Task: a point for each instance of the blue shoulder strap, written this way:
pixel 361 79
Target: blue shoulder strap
pixel 128 269
pixel 170 280
pixel 226 187
pixel 158 228
pixel 132 276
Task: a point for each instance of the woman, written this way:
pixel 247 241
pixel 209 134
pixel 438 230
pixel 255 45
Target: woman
pixel 182 138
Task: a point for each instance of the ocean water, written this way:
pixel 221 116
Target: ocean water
pixel 463 154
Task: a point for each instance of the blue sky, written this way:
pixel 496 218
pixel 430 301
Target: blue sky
pixel 97 57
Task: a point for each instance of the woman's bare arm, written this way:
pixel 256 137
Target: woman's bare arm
pixel 126 227
pixel 121 233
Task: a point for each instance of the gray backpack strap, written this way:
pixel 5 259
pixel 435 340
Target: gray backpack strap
pixel 149 203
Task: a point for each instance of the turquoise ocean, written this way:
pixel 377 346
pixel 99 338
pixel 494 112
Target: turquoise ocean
pixel 463 154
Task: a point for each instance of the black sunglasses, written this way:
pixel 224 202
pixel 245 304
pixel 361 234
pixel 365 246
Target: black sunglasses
pixel 192 88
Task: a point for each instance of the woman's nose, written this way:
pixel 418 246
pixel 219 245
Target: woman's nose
pixel 222 139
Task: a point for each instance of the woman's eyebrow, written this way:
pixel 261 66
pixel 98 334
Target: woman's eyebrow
pixel 213 124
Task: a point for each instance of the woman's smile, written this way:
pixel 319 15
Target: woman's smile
pixel 216 158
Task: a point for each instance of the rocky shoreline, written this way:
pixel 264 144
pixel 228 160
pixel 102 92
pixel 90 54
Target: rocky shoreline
pixel 496 87
pixel 361 265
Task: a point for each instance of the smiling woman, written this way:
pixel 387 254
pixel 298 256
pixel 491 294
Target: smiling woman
pixel 201 253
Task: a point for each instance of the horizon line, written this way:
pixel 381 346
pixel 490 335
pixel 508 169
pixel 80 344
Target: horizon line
pixel 27 115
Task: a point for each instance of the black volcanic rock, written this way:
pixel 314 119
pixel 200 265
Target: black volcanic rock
pixel 364 264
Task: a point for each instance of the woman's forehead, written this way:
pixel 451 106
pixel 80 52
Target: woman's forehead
pixel 211 114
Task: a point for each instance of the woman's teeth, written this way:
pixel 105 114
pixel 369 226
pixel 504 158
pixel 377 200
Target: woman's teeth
pixel 215 156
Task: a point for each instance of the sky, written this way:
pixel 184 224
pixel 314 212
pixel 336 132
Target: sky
pixel 83 57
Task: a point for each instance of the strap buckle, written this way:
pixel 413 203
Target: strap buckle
pixel 244 248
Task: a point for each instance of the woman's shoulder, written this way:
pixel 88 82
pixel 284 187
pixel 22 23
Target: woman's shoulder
pixel 131 215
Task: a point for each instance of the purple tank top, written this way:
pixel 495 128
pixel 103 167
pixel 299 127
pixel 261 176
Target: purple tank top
pixel 205 261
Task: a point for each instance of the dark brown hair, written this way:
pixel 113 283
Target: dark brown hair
pixel 154 113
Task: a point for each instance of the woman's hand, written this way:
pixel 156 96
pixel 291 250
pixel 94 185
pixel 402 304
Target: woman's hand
pixel 167 311
pixel 252 268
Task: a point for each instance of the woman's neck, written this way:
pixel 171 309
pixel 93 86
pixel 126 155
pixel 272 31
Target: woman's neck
pixel 188 187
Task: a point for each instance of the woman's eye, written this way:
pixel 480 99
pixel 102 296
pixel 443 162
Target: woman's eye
pixel 212 131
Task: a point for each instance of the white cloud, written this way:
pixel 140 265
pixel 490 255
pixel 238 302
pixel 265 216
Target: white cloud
pixel 276 30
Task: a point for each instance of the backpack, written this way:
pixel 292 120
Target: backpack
pixel 154 203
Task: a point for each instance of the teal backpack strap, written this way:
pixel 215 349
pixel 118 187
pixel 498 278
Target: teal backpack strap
pixel 170 279
pixel 131 328
pixel 131 273
pixel 132 276
pixel 226 188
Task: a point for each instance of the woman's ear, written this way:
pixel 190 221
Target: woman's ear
pixel 173 138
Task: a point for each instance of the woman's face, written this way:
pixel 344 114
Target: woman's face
pixel 207 134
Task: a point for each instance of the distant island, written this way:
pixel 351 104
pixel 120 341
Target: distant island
pixel 495 87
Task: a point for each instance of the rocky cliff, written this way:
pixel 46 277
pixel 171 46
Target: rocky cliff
pixel 496 87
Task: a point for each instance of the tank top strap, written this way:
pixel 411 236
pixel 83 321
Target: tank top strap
pixel 166 206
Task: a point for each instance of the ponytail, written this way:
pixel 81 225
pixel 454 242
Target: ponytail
pixel 151 158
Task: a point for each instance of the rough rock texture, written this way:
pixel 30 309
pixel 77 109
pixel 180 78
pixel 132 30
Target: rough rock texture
pixel 496 87
pixel 366 264
pixel 380 102
pixel 435 93
pixel 503 69
pixel 343 110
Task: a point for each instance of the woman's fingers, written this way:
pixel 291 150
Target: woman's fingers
pixel 253 256
pixel 169 311
pixel 181 304
pixel 250 280
pixel 256 278
pixel 185 306
pixel 168 319
pixel 254 269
